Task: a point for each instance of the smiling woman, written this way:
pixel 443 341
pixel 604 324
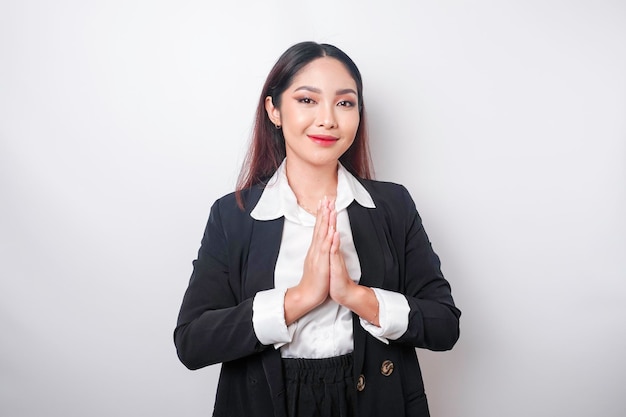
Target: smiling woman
pixel 314 284
pixel 319 118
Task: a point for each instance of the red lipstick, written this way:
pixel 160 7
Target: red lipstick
pixel 324 140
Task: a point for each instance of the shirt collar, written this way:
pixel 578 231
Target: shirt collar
pixel 279 200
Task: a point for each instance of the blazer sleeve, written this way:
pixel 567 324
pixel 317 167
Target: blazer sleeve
pixel 433 317
pixel 213 324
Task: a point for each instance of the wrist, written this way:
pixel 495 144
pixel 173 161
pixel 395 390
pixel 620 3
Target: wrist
pixel 306 297
pixel 350 295
pixel 363 301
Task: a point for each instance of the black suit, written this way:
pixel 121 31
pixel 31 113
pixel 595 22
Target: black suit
pixel 237 259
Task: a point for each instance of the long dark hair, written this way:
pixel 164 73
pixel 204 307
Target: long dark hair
pixel 267 146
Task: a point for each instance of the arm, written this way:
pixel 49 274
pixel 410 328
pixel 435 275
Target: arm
pixel 416 306
pixel 433 316
pixel 383 314
pixel 213 325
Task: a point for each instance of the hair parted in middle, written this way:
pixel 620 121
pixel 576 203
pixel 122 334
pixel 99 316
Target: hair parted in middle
pixel 267 147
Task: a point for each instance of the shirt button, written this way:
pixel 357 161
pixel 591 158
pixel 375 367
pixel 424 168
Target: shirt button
pixel 386 368
pixel 360 384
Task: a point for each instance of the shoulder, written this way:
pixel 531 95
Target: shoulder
pixel 249 198
pixel 393 201
pixel 382 191
pixel 228 205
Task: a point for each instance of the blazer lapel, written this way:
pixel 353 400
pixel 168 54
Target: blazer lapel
pixel 370 242
pixel 263 252
pixel 369 247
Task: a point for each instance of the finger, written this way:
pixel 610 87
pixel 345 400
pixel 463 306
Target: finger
pixel 327 242
pixel 321 222
pixel 334 248
pixel 332 227
pixel 324 220
pixel 332 218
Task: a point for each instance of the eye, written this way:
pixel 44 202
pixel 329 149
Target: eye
pixel 346 103
pixel 306 100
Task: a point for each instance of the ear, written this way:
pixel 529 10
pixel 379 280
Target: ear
pixel 272 111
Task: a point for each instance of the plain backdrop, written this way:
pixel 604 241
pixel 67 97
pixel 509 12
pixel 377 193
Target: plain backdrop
pixel 122 121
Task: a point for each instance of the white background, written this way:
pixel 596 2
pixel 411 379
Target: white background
pixel 122 121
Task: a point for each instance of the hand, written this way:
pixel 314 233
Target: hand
pixel 313 288
pixel 360 299
pixel 342 287
pixel 316 272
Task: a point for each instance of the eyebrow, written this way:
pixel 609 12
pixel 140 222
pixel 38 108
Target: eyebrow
pixel 318 91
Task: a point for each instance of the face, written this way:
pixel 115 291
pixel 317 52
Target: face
pixel 318 113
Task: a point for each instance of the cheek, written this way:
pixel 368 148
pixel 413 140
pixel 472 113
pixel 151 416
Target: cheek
pixel 295 119
pixel 352 123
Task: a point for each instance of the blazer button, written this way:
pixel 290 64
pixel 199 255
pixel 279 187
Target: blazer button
pixel 360 384
pixel 386 368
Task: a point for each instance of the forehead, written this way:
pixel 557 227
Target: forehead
pixel 325 71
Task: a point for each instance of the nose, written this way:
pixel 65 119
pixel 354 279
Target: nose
pixel 326 116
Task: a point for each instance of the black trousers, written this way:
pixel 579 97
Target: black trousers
pixel 320 387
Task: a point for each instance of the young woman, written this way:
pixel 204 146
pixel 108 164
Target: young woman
pixel 314 284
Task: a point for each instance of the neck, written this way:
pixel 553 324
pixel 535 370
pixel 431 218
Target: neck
pixel 311 183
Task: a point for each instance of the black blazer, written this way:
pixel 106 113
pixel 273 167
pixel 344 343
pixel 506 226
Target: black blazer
pixel 236 260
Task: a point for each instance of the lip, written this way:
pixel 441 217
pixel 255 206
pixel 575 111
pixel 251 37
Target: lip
pixel 325 140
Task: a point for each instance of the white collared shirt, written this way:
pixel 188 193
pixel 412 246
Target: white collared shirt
pixel 325 331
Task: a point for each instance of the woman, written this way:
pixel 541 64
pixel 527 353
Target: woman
pixel 314 284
